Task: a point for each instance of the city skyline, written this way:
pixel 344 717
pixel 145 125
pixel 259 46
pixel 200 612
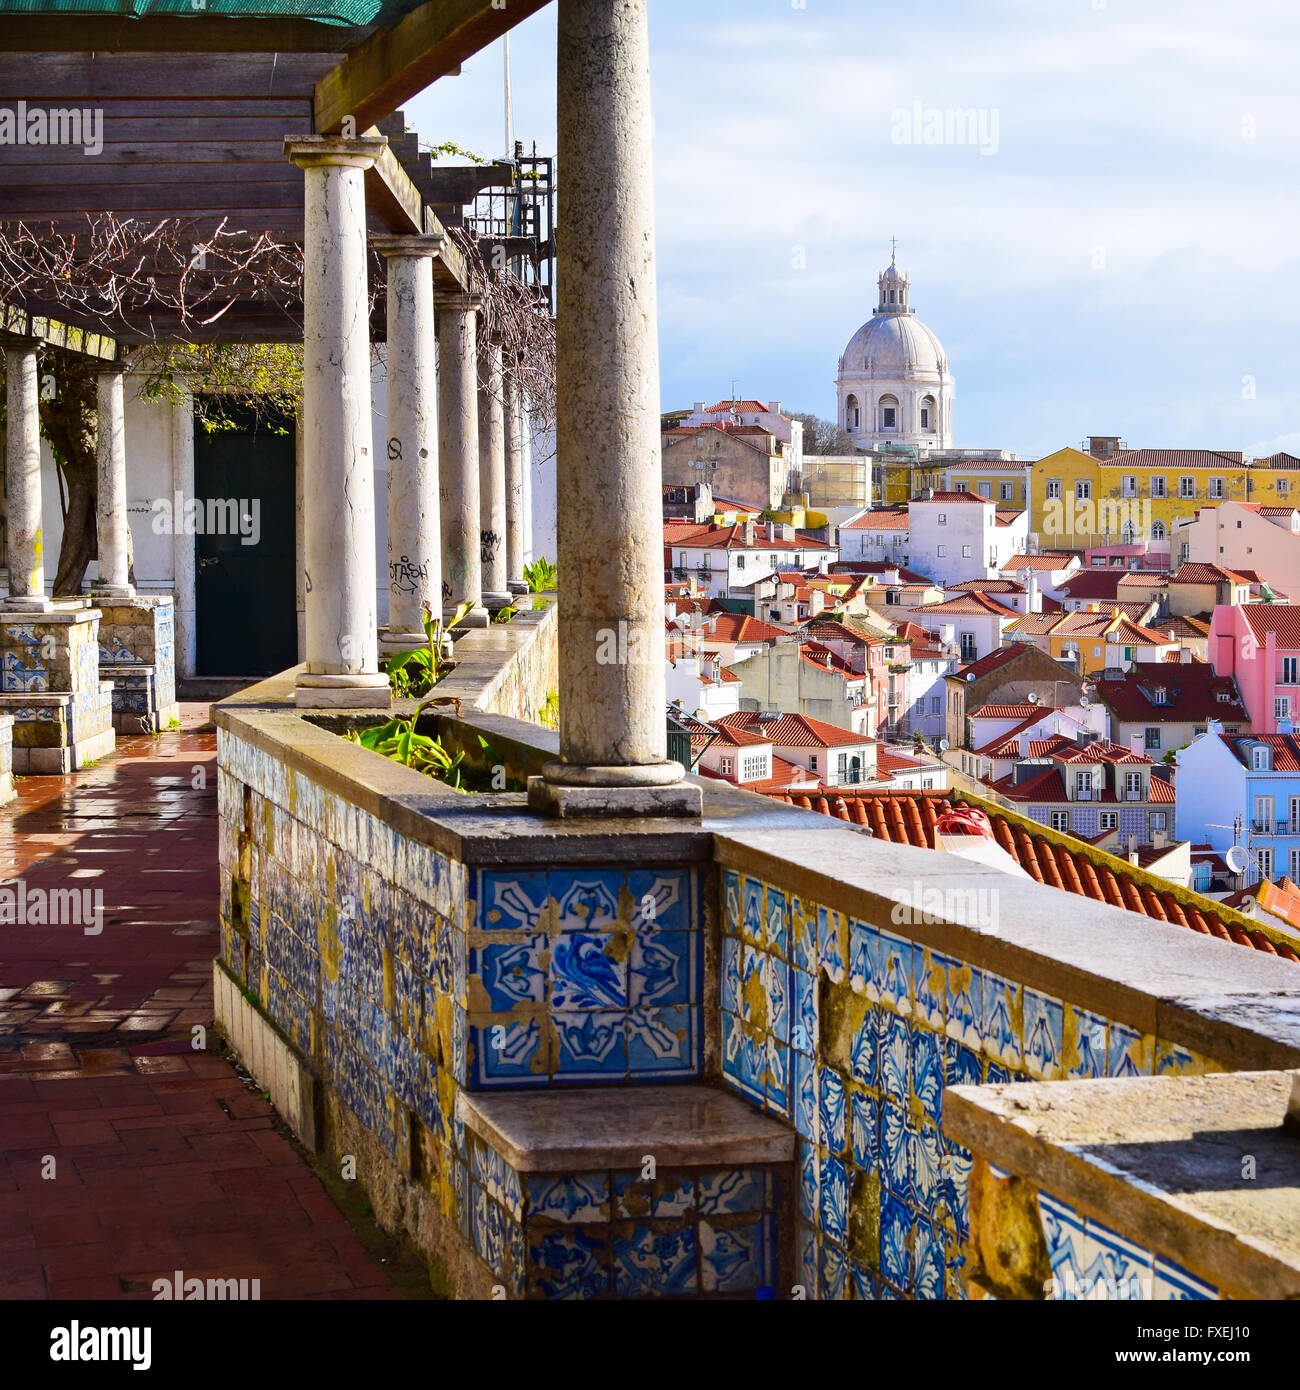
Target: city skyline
pixel 1118 262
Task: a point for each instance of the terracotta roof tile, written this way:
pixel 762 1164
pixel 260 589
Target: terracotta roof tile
pixel 1280 618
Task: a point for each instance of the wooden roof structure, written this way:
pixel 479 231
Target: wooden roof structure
pixel 196 105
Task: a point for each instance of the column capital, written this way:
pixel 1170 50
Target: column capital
pixel 17 342
pixel 417 247
pixel 117 367
pixel 314 151
pixel 467 303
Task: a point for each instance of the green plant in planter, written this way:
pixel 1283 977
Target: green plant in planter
pixel 505 615
pixel 542 576
pixel 399 741
pixel 414 674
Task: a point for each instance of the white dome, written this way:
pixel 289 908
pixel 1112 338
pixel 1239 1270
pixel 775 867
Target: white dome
pixel 893 346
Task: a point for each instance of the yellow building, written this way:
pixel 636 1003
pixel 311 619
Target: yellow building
pixel 1004 481
pixel 1108 495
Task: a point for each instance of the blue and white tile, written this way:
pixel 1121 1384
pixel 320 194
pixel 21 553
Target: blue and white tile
pixel 927 1262
pixel 778 923
pixel 665 900
pixel 654 1261
pixel 1128 1053
pixel 864 1282
pixel 1063 1232
pixel 834 1193
pixel 586 900
pixel 962 1067
pixel 577 1199
pixel 893 1058
pixel 508 1053
pixel 588 972
pixel 487 1232
pixel 929 987
pixel 739 1258
pixel 893 972
pixel 957 1165
pixel 592 1045
pixel 663 1042
pixel 775 977
pixel 568 1265
pixel 832 933
pixel 1091 1047
pixel 834 1274
pixel 1044 1035
pixel 731 972
pixel 805 1263
pixel 778 1078
pixel 510 974
pixel 862 947
pixel 833 1111
pixel 864 1131
pixel 803 1022
pixel 726 1191
pixel 862 1054
pixel 965 1022
pixel 804 1098
pixel 662 969
pixel 732 907
pixel 926 1170
pixel 751 921
pixel 1001 1039
pixel 895 1150
pixel 803 932
pixel 511 901
pixel 895 1241
pixel 809 1182
pixel 928 1069
pixel 1127 1269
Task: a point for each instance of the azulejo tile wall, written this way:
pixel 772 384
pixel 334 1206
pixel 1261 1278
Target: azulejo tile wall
pixel 851 1031
pixel 684 1233
pixel 584 976
pixel 1090 1261
pixel 406 977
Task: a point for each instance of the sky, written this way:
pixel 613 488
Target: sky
pixel 1114 252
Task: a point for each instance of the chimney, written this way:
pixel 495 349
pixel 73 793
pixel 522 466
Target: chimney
pixel 771 530
pixel 747 532
pixel 774 407
pixel 1133 850
pixel 1034 598
pixel 699 408
pixel 1158 839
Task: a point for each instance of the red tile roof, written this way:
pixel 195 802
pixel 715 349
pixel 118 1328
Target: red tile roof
pixel 1049 787
pixel 1008 711
pixel 990 662
pixel 908 818
pixel 1091 585
pixel 1192 693
pixel 977 604
pixel 740 627
pixel 1286 749
pixel 953 497
pixel 741 407
pixel 880 519
pixel 1192 573
pixel 1174 458
pixel 795 731
pixel 987 586
pixel 1280 618
pixel 1051 560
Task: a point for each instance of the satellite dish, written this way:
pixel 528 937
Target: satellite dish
pixel 1084 702
pixel 1237 859
pixel 1033 699
pixel 944 745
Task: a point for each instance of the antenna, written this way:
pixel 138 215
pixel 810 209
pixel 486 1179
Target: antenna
pixel 510 135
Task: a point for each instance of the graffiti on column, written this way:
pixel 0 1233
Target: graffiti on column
pixel 405 577
pixel 490 543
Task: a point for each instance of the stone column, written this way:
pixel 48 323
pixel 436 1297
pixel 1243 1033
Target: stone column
pixel 339 501
pixel 613 707
pixel 492 477
pixel 414 530
pixel 516 478
pixel 183 559
pixel 462 564
pixel 110 508
pixel 23 535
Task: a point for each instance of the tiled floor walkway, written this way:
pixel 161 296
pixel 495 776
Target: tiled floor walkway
pixel 124 1153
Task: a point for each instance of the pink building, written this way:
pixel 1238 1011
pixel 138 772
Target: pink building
pixel 1259 644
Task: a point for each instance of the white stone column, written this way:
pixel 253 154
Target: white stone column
pixel 414 529
pixel 613 707
pixel 492 477
pixel 339 502
pixel 110 506
pixel 516 480
pixel 184 575
pixel 23 536
pixel 462 563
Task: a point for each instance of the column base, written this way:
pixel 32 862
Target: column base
pixel 342 692
pixel 519 588
pixel 476 617
pixel 109 591
pixel 399 643
pixel 494 600
pixel 658 789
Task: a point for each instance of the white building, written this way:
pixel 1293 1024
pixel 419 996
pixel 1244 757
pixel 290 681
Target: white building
pixel 748 412
pixel 895 384
pixel 954 536
pixel 724 559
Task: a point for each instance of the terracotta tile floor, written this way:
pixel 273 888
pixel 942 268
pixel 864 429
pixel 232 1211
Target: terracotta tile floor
pixel 125 1154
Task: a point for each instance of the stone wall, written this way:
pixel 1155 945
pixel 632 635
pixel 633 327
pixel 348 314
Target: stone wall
pixel 482 1000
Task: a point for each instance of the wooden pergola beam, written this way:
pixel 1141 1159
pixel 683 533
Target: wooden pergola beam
pixel 20 324
pixel 396 201
pixel 197 33
pixel 393 65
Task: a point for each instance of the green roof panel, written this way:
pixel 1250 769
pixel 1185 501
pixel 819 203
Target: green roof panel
pixel 349 12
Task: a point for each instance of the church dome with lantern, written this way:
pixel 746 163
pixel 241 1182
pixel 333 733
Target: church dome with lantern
pixel 895 383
